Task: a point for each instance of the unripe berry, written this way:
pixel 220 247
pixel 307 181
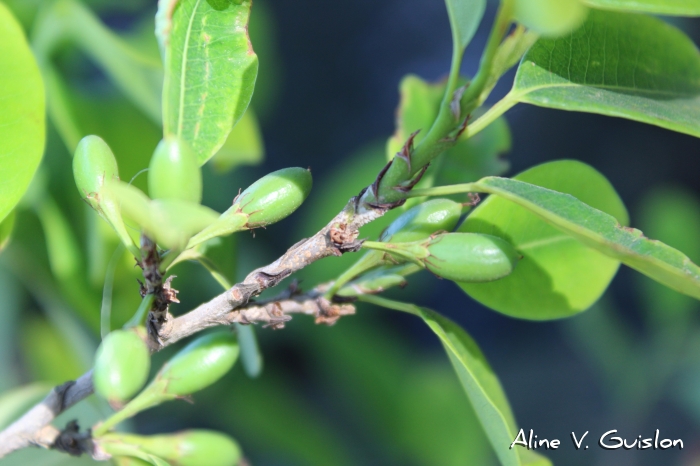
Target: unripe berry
pixel 174 172
pixel 471 257
pixel 423 220
pixel 199 364
pixel 275 196
pixel 93 165
pixel 121 366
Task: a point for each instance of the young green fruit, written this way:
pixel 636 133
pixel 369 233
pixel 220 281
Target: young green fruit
pixel 462 257
pixel 550 18
pixel 423 220
pixel 121 366
pixel 196 366
pixel 274 196
pixel 187 448
pixel 199 364
pixel 93 165
pixel 470 257
pixel 174 172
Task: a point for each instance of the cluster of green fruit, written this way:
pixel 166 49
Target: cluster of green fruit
pixel 173 215
pixel 121 369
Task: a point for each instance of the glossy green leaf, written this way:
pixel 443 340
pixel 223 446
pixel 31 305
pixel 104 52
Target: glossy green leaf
pixel 659 7
pixel 22 126
pixel 624 65
pixel 465 16
pixel 544 285
pixel 6 227
pixel 602 232
pixel 244 145
pixel 210 70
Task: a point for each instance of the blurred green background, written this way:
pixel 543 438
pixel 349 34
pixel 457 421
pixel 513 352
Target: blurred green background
pixel 375 389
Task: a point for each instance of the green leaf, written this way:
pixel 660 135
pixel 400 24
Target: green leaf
pixel 6 227
pixel 543 286
pixel 418 108
pixel 244 145
pixel 603 232
pixel 659 7
pixel 465 16
pixel 479 382
pixel 22 125
pixel 624 65
pixel 210 70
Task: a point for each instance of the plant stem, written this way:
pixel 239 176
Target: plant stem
pixel 141 312
pixel 438 138
pixel 498 109
pixel 149 397
pixel 389 304
pixel 366 262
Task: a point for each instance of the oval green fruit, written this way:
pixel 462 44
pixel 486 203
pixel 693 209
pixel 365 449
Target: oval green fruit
pixel 423 220
pixel 551 18
pixel 121 366
pixel 93 165
pixel 174 172
pixel 194 448
pixel 275 196
pixel 200 364
pixel 471 257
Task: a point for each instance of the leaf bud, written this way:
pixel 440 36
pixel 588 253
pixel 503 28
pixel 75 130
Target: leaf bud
pixel 174 172
pixel 121 366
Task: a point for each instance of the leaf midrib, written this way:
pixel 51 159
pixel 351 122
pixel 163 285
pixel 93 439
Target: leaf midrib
pixel 183 69
pixel 518 93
